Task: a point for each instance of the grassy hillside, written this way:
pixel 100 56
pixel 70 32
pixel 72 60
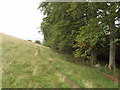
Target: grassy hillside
pixel 24 67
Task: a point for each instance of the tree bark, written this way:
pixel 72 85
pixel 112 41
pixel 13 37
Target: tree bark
pixel 93 57
pixel 112 51
pixel 112 54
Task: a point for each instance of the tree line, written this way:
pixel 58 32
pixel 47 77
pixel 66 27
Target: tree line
pixel 87 30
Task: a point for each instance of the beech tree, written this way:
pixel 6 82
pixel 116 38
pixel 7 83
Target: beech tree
pixel 80 28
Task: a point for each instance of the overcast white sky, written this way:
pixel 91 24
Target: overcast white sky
pixel 20 18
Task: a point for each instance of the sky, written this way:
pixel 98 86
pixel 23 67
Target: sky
pixel 21 18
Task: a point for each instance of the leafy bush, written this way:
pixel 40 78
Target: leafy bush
pixel 30 40
pixel 37 41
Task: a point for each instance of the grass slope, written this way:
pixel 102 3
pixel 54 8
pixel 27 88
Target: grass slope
pixel 22 69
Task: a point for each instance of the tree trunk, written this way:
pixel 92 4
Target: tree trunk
pixel 112 51
pixel 112 54
pixel 93 57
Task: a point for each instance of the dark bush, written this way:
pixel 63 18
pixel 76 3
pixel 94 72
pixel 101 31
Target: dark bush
pixel 30 40
pixel 37 41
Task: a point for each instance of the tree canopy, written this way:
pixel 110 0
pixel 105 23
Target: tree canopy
pixel 79 28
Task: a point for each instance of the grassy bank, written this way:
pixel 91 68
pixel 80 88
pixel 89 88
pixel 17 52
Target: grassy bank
pixel 23 69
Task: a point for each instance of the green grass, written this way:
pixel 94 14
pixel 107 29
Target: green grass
pixel 83 76
pixel 22 69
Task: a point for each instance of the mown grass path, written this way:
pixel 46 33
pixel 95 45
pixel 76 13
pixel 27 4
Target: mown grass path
pixel 64 78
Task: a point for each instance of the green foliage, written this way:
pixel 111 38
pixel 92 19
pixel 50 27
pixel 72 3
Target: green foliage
pixel 78 27
pixel 30 40
pixel 37 41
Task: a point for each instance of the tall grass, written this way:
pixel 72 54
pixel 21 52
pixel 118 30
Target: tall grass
pixel 23 69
